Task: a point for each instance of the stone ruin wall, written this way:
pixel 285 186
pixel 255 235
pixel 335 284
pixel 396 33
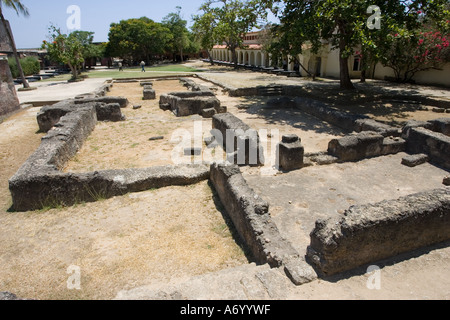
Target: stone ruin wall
pixel 382 230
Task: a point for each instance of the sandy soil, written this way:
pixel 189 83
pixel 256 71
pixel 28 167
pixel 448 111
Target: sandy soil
pixel 171 233
pixel 127 145
pixel 117 243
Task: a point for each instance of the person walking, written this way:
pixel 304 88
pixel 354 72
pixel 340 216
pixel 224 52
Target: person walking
pixel 120 66
pixel 143 66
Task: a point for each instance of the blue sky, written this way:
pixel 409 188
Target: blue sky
pixel 96 16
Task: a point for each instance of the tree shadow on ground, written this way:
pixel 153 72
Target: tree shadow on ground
pixel 286 115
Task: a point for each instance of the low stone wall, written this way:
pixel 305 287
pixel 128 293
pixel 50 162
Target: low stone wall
pixel 435 144
pixel 40 183
pixel 188 103
pixel 241 142
pixel 252 220
pixel 441 125
pixel 107 109
pixel 366 144
pixel 369 233
pixel 36 190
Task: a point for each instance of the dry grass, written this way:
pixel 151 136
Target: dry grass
pixel 126 144
pixel 119 243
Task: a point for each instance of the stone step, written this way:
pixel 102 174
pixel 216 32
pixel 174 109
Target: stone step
pixel 246 282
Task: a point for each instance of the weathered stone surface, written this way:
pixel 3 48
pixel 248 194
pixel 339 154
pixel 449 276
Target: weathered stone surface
pixel 237 136
pixel 222 109
pixel 8 96
pixel 250 216
pixel 208 113
pixel 441 125
pixel 109 112
pixel 369 233
pixel 122 101
pixel 372 125
pixel 8 296
pixel 324 159
pixel 37 189
pixel 290 153
pixel 363 145
pixel 436 145
pixel 149 93
pixel 49 116
pixel 415 160
pixel 189 103
pixel 414 124
pixel 156 138
pixel 393 145
pixel 446 181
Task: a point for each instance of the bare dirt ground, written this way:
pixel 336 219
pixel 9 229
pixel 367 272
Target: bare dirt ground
pixel 174 234
pixel 126 144
pixel 117 243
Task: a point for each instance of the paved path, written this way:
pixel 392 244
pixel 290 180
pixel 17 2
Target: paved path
pixel 58 90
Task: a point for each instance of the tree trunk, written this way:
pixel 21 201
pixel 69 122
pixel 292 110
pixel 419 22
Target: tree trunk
pixel 74 71
pixel 16 55
pixel 234 56
pixel 363 76
pixel 346 82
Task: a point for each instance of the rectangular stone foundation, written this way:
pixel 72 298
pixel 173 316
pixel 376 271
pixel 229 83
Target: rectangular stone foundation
pixel 250 216
pixel 369 233
pixel 39 183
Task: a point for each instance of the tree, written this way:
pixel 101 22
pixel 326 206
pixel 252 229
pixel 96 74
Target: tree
pixel 203 30
pixel 344 25
pixel 229 21
pixel 19 8
pixel 417 51
pixel 138 39
pixel 179 31
pixel 89 50
pixel 66 49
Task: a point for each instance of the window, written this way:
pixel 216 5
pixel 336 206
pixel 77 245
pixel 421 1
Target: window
pixel 357 64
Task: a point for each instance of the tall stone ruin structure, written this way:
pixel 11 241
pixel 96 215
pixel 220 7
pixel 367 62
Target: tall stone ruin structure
pixel 9 101
pixel 8 96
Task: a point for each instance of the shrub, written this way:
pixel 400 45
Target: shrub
pixel 30 66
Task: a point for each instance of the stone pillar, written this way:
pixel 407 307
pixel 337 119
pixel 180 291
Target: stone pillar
pixel 290 153
pixel 9 101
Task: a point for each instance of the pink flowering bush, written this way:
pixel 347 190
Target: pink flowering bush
pixel 420 51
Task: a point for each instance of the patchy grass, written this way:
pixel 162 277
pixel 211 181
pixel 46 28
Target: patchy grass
pixel 137 73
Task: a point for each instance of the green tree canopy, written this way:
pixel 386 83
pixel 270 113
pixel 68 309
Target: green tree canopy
pixel 138 39
pixel 228 21
pixel 180 40
pixel 344 25
pixel 66 49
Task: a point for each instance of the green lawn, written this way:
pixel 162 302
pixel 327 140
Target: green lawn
pixel 132 73
pixel 136 72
